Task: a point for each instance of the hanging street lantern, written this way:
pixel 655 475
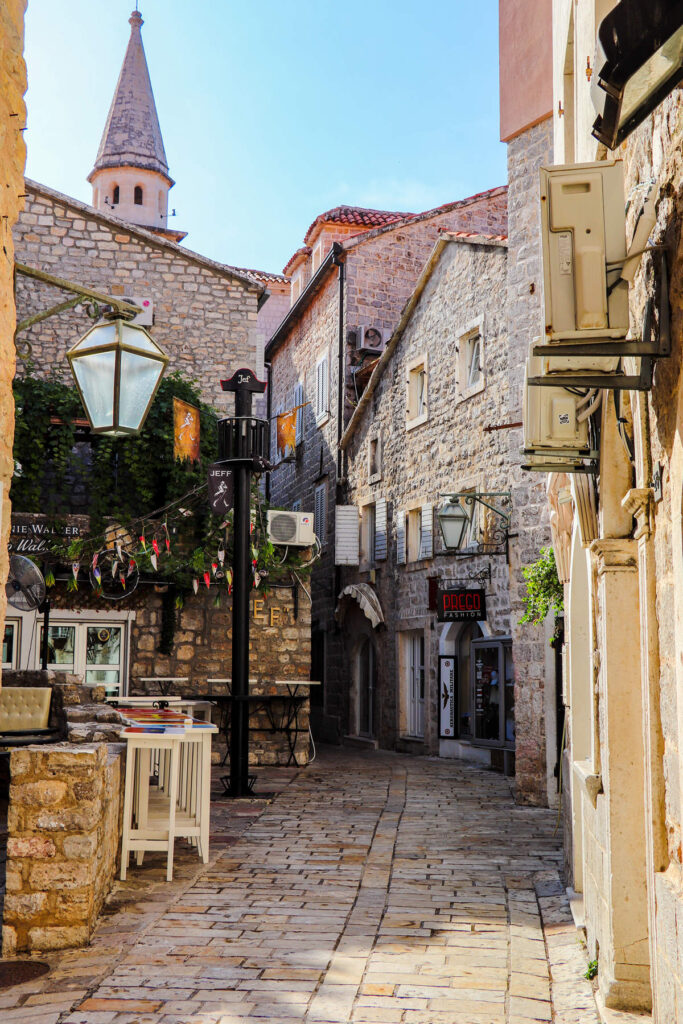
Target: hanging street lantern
pixel 117 367
pixel 454 522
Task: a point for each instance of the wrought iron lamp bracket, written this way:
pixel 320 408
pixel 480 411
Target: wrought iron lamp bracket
pixel 486 499
pixel 473 576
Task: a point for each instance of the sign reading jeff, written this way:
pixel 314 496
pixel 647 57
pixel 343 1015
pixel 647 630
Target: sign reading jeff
pixel 460 605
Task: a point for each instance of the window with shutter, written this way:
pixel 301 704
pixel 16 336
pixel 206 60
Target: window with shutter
pixel 299 401
pixel 322 390
pixel 274 449
pixel 320 514
pixel 401 538
pixel 381 529
pixel 427 532
pixel 346 530
pixel 414 534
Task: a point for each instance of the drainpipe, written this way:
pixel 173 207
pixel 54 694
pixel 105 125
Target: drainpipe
pixel 268 367
pixel 341 363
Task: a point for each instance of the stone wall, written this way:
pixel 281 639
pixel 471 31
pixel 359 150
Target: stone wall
pixel 381 269
pixel 534 707
pixel 12 161
pixel 451 451
pixel 205 313
pixel 63 838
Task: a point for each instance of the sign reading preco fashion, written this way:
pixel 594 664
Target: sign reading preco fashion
pixel 460 605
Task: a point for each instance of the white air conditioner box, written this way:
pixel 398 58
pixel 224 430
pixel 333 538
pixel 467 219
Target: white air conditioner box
pixel 552 416
pixel 583 231
pixel 292 528
pixel 146 317
pixel 371 339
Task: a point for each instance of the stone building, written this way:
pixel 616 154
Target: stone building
pixel 427 425
pixel 617 537
pixel 12 162
pixel 356 270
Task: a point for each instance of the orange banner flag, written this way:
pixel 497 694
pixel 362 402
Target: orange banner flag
pixel 185 431
pixel 286 431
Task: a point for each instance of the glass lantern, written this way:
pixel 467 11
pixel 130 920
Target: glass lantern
pixel 117 367
pixel 454 522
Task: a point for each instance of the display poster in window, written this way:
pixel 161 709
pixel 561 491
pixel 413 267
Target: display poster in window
pixel 458 604
pixel 221 489
pixel 185 431
pixel 447 697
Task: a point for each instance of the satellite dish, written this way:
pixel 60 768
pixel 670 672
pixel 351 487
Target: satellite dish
pixel 115 574
pixel 25 587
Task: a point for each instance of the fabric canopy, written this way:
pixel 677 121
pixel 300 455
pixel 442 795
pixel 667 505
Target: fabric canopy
pixel 366 598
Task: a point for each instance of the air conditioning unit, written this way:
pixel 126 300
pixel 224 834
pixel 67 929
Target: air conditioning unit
pixel 555 420
pixel 584 249
pixel 370 340
pixel 292 528
pixel 146 317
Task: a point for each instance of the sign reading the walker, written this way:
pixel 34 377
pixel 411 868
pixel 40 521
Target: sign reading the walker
pixel 447 697
pixel 460 605
pixel 221 489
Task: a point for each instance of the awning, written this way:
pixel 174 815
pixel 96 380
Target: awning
pixel 366 598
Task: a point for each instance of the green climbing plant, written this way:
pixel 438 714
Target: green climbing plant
pixel 543 588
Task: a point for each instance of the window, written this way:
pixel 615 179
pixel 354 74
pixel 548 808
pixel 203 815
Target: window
pixel 493 689
pixel 368 534
pixel 277 455
pixel 317 257
pixel 471 378
pixel 299 406
pixel 296 505
pixel 414 660
pixel 322 390
pixel 417 409
pixel 420 523
pixel 115 196
pixel 92 650
pixel 375 459
pixel 137 195
pixel 296 287
pixel 320 514
pixel 10 645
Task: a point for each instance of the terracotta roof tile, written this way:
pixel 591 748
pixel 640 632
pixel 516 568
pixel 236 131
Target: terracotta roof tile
pixel 264 275
pixel 305 250
pixel 356 216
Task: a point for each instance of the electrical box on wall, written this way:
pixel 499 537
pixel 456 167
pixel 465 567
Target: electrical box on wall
pixel 584 248
pixel 552 416
pixel 295 529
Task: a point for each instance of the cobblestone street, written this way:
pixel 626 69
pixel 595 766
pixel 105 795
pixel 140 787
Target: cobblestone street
pixel 374 888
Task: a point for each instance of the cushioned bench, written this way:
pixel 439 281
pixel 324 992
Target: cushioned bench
pixel 25 715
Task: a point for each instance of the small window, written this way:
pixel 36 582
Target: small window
pixel 375 459
pixel 320 514
pixel 295 287
pixel 137 195
pixel 417 404
pixel 471 378
pixel 317 257
pixel 322 390
pixel 414 522
pixel 115 196
pixel 368 534
pixel 296 505
pixel 10 645
pixel 299 406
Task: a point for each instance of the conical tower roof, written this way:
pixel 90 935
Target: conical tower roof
pixel 132 136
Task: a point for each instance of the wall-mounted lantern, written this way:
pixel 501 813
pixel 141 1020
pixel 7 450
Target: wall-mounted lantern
pixel 455 519
pixel 117 367
pixel 638 61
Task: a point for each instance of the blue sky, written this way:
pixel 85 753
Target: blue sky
pixel 271 112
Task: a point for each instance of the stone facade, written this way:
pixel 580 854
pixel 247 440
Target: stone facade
pixel 12 162
pixel 464 284
pixel 205 313
pixel 63 838
pixel 381 267
pixel 624 593
pixel 536 696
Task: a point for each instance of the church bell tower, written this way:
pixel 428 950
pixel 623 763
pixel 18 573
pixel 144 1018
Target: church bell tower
pixel 130 178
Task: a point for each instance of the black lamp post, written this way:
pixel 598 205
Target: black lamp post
pixel 242 445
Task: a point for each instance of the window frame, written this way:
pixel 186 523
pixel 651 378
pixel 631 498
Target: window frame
pixel 320 490
pixel 470 333
pixel 15 626
pixel 138 189
pixel 299 400
pixel 416 368
pixel 368 535
pixel 322 410
pixel 375 438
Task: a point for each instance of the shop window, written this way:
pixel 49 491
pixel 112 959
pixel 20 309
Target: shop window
pixel 492 675
pixel 417 408
pixel 137 195
pixel 468 633
pixel 92 650
pixel 10 645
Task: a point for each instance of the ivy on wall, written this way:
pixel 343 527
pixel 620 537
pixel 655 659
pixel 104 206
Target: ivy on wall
pixel 543 588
